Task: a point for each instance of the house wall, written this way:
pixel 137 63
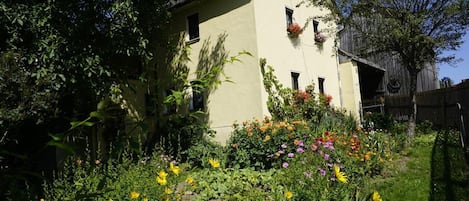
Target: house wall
pixel 300 54
pixel 242 99
pixel 259 27
pixel 351 88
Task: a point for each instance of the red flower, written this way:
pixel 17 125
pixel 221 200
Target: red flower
pixel 294 29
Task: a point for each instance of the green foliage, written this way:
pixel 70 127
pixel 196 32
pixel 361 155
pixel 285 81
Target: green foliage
pixel 257 144
pixel 287 104
pixel 236 184
pixel 378 121
pixel 82 179
pixel 198 154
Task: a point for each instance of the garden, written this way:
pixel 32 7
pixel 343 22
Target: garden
pixel 307 150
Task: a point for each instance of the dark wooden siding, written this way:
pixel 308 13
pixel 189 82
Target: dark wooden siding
pixel 352 42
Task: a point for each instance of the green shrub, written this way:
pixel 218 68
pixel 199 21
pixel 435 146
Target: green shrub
pixel 258 144
pixel 149 177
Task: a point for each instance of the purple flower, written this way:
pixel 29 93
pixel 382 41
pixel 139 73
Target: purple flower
pixel 329 165
pixel 285 165
pixel 301 144
pixel 328 145
pixel 291 155
pixel 307 174
pixel 326 157
pixel 284 146
pixel 305 136
pixel 322 171
pixel 300 150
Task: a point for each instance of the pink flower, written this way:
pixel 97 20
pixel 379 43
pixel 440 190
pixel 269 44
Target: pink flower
pixel 322 171
pixel 326 157
pixel 285 165
pixel 291 155
pixel 300 150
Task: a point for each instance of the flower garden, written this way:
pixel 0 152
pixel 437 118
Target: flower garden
pixel 264 160
pixel 307 150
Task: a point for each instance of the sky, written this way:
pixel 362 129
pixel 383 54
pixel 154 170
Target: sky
pixel 460 70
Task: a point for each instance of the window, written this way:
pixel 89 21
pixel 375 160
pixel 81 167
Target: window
pixel 321 85
pixel 197 102
pixel 294 80
pixel 315 26
pixel 289 15
pixel 193 26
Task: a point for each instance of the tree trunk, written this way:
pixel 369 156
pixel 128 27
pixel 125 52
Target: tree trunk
pixel 412 105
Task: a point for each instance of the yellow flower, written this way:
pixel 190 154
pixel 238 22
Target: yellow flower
pixel 168 191
pixel 340 175
pixel 174 169
pixel 145 199
pixel 376 196
pixel 190 180
pixel 134 195
pixel 267 138
pixel 162 174
pixel 161 181
pixel 42 199
pixel 288 195
pixel 214 163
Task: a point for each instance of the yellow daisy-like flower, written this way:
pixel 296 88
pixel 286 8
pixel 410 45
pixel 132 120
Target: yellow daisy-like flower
pixel 145 199
pixel 134 195
pixel 376 196
pixel 288 195
pixel 168 191
pixel 161 181
pixel 162 174
pixel 214 163
pixel 190 180
pixel 174 169
pixel 340 175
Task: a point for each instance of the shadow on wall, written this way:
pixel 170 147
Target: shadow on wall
pixel 179 126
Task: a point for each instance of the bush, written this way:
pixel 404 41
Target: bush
pixel 154 178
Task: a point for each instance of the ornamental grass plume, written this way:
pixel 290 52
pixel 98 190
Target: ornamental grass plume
pixel 340 175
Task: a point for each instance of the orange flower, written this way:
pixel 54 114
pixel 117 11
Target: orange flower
pixel 296 142
pixel 290 128
pixel 264 128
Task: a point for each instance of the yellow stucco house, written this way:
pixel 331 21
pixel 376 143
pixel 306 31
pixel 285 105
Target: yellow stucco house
pixel 260 27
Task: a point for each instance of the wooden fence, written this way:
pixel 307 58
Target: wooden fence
pixel 438 106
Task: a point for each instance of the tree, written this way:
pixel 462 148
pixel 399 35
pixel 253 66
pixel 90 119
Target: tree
pixel 58 59
pixel 417 31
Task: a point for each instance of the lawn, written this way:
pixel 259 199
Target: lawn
pixel 432 168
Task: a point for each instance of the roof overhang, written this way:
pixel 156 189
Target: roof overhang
pixel 360 60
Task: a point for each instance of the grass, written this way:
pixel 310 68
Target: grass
pixel 432 168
